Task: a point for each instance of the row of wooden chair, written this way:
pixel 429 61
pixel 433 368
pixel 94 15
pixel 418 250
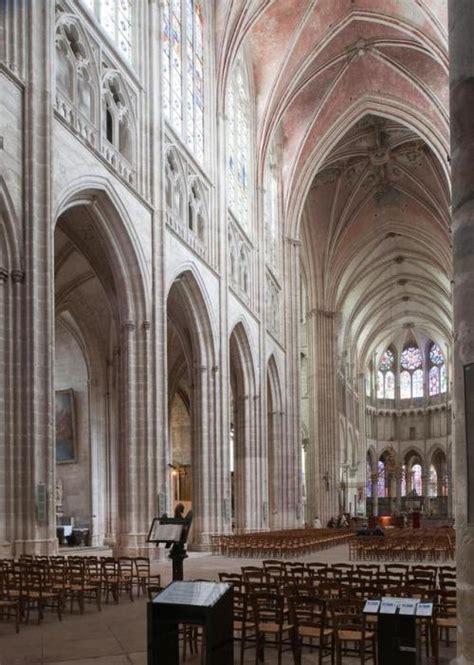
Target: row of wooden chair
pixel 41 583
pixel 291 611
pixel 405 545
pixel 288 543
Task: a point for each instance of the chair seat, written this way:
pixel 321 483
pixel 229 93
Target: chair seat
pixel 313 631
pixel 274 627
pixel 354 635
pixel 238 625
pixel 446 622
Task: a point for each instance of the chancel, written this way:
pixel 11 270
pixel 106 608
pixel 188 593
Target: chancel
pixel 236 280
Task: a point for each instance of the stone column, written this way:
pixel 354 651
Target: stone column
pixel 375 494
pixel 35 512
pixel 325 475
pixel 291 441
pixel 4 548
pixel 461 29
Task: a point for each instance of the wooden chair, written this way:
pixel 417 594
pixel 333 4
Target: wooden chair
pixel 308 616
pixel 126 575
pixel 144 578
pixel 38 595
pixel 9 607
pixel 110 578
pixel 351 633
pixel 270 619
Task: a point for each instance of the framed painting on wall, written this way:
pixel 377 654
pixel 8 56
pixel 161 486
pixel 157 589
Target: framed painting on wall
pixel 65 430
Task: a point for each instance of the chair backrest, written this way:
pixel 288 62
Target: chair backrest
pixel 307 610
pixel 273 563
pixel 267 608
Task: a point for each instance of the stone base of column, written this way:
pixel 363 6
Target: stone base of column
pixel 132 544
pixel 46 547
pixel 6 550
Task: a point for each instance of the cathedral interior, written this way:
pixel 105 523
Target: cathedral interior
pixel 236 273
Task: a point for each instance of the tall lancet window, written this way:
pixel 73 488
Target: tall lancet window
pixel 271 211
pixel 411 376
pixel 386 377
pixel 238 145
pixel 437 374
pixel 183 71
pixel 115 16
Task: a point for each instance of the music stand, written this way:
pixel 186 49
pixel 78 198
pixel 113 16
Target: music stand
pixel 173 531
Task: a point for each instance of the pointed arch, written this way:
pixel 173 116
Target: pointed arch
pixel 10 242
pixel 122 247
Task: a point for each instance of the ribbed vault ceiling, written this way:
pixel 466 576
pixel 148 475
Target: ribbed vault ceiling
pixel 356 94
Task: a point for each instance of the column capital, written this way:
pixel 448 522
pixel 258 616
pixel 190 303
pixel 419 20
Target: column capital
pixel 146 325
pixel 313 313
pixel 293 241
pixel 18 276
pixel 129 326
pixel 3 275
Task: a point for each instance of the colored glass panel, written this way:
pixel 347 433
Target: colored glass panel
pixel 436 355
pixel 411 358
pixel 443 379
pixel 386 361
pixel 405 385
pixel 434 381
pixel 417 381
pixel 380 385
pixel 389 385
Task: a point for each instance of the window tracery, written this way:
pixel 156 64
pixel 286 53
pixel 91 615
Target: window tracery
pixel 271 211
pixel 183 71
pixel 437 372
pixel 117 119
pixel 115 17
pixel 411 376
pixel 385 376
pixel 238 145
pixel 76 78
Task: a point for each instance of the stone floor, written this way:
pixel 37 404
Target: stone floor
pixel 117 635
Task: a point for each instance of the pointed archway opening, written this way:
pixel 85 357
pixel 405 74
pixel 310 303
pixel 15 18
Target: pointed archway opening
pixel 247 490
pixel 274 445
pixel 191 412
pixel 87 378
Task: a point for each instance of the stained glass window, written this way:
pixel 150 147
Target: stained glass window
pixel 433 484
pixel 389 385
pixel 386 361
pixel 271 211
pixel 437 373
pixel 417 484
pixel 238 144
pixel 411 358
pixel 380 479
pixel 380 385
pixel 443 378
pixel 434 381
pixel 385 377
pixel 115 16
pixel 183 71
pixel 436 355
pixel 417 381
pixel 405 385
pixel 369 480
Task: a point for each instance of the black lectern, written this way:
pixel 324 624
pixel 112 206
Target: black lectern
pixel 206 604
pixel 398 632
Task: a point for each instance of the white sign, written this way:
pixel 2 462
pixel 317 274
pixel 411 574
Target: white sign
pixel 372 606
pixel 408 606
pixel 424 610
pixel 389 605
